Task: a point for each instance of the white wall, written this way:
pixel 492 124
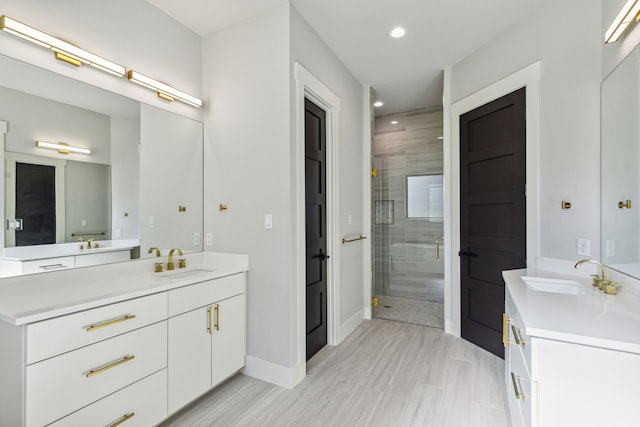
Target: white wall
pixel 129 32
pixel 125 178
pixel 248 168
pixel 309 50
pixel 566 37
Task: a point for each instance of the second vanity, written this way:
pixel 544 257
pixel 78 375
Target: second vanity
pixel 571 357
pixel 118 344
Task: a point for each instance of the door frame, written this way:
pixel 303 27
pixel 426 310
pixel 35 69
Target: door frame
pixel 528 77
pixel 308 86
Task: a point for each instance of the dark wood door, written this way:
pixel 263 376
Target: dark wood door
pixel 316 226
pixel 492 213
pixel 35 204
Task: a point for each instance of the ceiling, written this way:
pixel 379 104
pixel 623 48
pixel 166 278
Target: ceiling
pixel 405 73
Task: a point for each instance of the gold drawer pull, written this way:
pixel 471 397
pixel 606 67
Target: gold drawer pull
pixel 516 386
pixel 209 325
pixel 217 325
pixel 113 365
pixel 516 335
pixel 113 322
pixel 505 331
pixel 123 419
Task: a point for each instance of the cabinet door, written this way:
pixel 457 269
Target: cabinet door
pixel 189 357
pixel 229 337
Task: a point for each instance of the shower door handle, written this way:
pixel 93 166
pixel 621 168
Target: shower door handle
pixel 466 253
pixel 437 251
pixel 322 255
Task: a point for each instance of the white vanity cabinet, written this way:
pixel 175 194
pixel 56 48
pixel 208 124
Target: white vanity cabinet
pixel 16 267
pixel 552 380
pixel 207 333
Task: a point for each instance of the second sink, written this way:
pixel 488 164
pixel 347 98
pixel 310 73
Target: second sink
pixel 557 286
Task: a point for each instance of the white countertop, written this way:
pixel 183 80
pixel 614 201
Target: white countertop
pixel 35 297
pixel 595 319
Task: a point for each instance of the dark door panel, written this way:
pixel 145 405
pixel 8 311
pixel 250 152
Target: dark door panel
pixel 492 213
pixel 35 204
pixel 315 226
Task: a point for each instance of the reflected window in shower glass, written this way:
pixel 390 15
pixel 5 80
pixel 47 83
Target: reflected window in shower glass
pixel 425 197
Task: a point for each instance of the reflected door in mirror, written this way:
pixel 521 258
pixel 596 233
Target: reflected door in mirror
pixel 35 204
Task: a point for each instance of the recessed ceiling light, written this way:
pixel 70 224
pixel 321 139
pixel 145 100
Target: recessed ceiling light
pixel 394 122
pixel 378 104
pixel 398 32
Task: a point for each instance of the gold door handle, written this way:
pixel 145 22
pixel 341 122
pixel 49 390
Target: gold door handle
pixel 516 335
pixel 516 386
pixel 123 419
pixel 217 317
pixel 112 365
pixel 210 320
pixel 112 322
pixel 626 204
pixel 505 331
pixel 437 251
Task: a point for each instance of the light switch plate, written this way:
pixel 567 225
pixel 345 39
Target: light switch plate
pixel 268 221
pixel 611 248
pixel 584 247
pixel 152 221
pixel 209 239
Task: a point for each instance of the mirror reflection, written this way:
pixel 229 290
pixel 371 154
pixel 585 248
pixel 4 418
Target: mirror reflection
pixel 106 195
pixel 619 167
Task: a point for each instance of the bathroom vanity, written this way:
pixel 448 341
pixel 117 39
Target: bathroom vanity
pixel 572 353
pixel 118 343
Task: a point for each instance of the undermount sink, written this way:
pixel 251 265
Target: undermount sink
pixel 557 286
pixel 196 272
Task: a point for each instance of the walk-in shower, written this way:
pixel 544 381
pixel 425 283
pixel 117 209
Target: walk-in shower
pixel 407 217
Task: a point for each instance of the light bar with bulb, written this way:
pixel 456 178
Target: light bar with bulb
pixel 626 16
pixel 62 48
pixel 62 148
pixel 164 90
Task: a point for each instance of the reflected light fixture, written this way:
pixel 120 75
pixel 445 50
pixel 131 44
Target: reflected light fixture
pixel 62 148
pixel 393 122
pixel 378 104
pixel 626 16
pixel 165 91
pixel 63 51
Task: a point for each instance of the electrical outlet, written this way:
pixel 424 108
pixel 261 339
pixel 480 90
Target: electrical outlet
pixel 117 232
pixel 611 248
pixel 209 239
pixel 196 238
pixel 584 247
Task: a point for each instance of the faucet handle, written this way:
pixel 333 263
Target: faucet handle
pixel 610 287
pixel 597 279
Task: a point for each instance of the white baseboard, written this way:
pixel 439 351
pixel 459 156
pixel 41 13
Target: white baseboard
pixel 367 313
pixel 274 373
pixel 350 325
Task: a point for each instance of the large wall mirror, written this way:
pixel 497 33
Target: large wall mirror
pixel 620 110
pixel 141 183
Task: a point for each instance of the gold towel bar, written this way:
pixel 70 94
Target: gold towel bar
pixel 353 240
pixel 89 233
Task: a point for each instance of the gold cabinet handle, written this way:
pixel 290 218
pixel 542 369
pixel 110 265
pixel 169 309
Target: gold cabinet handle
pixel 210 321
pixel 516 386
pixel 626 204
pixel 516 335
pixel 437 251
pixel 217 325
pixel 505 331
pixel 123 419
pixel 112 365
pixel 112 322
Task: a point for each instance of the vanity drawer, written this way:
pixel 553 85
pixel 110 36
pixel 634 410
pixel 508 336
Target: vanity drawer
pixel 88 259
pixel 516 333
pixel 521 388
pixel 141 404
pixel 61 334
pixel 63 384
pixel 48 264
pixel 190 297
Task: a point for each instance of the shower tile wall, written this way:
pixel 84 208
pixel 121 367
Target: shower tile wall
pixel 410 147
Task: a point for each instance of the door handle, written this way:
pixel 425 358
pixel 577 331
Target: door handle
pixel 467 253
pixel 322 255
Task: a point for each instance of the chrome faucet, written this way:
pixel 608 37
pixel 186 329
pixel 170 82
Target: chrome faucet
pixel 170 264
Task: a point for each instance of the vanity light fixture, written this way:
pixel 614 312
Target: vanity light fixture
pixel 165 91
pixel 62 148
pixel 626 16
pixel 64 51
